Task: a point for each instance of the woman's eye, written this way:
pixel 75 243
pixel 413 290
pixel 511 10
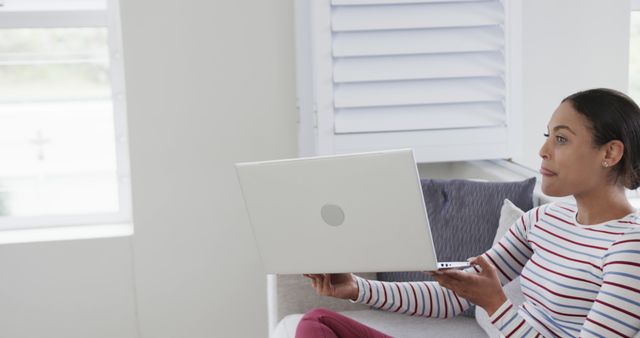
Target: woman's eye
pixel 545 134
pixel 561 139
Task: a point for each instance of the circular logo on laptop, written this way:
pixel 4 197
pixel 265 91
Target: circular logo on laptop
pixel 332 214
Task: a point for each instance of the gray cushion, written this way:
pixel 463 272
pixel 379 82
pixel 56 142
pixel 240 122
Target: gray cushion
pixel 464 217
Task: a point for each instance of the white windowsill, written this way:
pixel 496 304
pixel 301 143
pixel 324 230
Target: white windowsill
pixel 65 233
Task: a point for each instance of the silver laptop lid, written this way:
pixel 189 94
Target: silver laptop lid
pixel 342 213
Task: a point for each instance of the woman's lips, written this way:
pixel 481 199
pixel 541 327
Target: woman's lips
pixel 547 172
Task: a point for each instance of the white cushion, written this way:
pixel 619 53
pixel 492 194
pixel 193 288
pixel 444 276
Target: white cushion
pixel 287 327
pixel 509 214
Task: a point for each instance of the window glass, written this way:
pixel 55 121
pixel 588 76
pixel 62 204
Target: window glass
pixel 57 144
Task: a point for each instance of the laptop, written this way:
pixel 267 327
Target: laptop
pixel 340 213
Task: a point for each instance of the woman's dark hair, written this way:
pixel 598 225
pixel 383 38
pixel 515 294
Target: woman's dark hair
pixel 613 116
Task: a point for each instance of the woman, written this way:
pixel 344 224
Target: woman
pixel 579 263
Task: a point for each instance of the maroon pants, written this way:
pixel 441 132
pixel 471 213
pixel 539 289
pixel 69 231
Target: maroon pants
pixel 323 323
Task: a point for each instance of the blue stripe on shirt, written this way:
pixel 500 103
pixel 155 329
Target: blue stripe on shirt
pixel 567 231
pixel 614 319
pixel 562 247
pixel 541 255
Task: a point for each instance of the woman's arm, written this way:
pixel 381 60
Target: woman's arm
pixel 427 299
pixel 457 289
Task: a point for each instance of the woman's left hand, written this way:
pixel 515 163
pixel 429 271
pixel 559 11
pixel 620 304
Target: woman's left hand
pixel 482 289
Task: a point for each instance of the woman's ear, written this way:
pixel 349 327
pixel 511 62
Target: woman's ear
pixel 613 152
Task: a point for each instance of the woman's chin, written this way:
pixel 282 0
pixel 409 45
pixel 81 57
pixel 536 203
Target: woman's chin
pixel 549 189
pixel 552 191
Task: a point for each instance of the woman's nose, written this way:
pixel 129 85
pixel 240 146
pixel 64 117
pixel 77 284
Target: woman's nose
pixel 544 153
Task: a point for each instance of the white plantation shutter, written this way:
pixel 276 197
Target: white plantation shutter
pixel 430 75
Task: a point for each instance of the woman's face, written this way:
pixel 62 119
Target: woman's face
pixel 571 164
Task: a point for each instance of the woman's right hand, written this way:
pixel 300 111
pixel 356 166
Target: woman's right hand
pixel 338 285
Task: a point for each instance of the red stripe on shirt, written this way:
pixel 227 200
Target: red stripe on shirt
pixel 415 299
pixel 628 222
pixel 385 296
pixel 567 209
pixel 626 241
pixel 510 254
pixel 558 218
pixel 519 240
pixel 458 300
pixel 399 296
pixel 502 314
pixel 622 286
pixel 606 327
pixel 622 262
pixel 524 228
pixel 497 267
pixel 617 308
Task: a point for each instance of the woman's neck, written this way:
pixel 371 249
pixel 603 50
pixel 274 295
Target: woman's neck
pixel 602 205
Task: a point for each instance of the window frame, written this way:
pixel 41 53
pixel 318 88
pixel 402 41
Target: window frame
pixel 91 14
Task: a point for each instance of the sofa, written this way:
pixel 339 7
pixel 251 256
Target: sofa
pixel 466 217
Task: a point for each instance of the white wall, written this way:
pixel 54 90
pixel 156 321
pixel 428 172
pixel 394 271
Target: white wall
pixel 211 83
pixel 69 289
pixel 568 45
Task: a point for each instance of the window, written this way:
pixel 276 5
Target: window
pixel 634 48
pixel 63 145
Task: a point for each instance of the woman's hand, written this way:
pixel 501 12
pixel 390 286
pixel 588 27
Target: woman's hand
pixel 338 285
pixel 482 289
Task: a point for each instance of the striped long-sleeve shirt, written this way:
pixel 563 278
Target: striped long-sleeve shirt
pixel 577 280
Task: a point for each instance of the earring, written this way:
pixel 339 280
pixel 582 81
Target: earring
pixel 605 164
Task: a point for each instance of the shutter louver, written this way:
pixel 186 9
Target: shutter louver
pixel 429 65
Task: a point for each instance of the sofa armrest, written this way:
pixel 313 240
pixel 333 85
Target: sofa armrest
pixel 295 295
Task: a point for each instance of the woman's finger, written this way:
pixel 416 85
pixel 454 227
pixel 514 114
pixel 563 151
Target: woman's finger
pixel 326 285
pixel 484 265
pixel 314 281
